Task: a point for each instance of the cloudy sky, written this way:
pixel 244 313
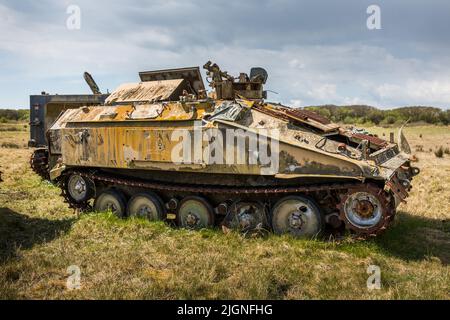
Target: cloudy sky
pixel 316 52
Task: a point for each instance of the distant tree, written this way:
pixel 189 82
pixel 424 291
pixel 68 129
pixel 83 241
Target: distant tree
pixel 24 114
pixel 14 115
pixel 376 116
pixel 349 120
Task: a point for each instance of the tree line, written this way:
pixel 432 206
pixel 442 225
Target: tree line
pixel 367 115
pixel 7 115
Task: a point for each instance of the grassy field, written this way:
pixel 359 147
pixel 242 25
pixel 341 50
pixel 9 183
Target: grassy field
pixel 123 259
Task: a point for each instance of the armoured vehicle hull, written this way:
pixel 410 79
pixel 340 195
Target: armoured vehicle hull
pixel 162 149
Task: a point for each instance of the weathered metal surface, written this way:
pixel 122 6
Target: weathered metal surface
pixel 191 75
pixel 146 111
pixel 397 188
pixel 306 114
pixel 163 90
pixel 390 166
pixel 402 142
pixel 372 139
pixel 91 83
pixel 226 87
pixel 129 113
pixel 299 116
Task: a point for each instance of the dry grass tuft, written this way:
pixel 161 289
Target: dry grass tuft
pixel 439 152
pixel 10 145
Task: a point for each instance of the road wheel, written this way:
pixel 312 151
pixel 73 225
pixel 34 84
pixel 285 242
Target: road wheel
pixel 111 200
pixel 195 213
pixel 246 217
pixel 146 205
pixel 298 216
pixel 80 188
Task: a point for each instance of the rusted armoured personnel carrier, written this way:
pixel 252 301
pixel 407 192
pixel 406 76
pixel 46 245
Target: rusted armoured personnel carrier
pixel 164 148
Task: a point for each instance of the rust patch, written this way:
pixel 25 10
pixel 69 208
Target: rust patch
pixel 145 91
pixel 306 114
pixel 397 188
pixel 372 139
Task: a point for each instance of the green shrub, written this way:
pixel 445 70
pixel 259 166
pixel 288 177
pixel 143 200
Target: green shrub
pixel 349 120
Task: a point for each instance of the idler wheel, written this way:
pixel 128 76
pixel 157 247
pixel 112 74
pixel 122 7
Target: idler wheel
pixel 195 213
pixel 80 188
pixel 146 205
pixel 297 215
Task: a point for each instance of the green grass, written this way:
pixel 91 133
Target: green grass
pixel 139 259
pixel 136 259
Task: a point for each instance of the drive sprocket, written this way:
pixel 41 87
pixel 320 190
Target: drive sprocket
pixel 366 209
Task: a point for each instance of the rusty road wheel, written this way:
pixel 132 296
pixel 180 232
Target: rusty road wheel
pixel 246 217
pixel 366 210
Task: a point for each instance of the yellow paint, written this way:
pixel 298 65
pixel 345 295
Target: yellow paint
pixel 146 144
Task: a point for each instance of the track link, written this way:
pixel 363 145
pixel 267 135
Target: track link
pixel 39 163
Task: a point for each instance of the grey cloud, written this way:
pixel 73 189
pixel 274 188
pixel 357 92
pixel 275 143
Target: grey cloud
pixel 315 51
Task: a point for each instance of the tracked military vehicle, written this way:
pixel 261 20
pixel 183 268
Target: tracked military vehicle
pixel 165 148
